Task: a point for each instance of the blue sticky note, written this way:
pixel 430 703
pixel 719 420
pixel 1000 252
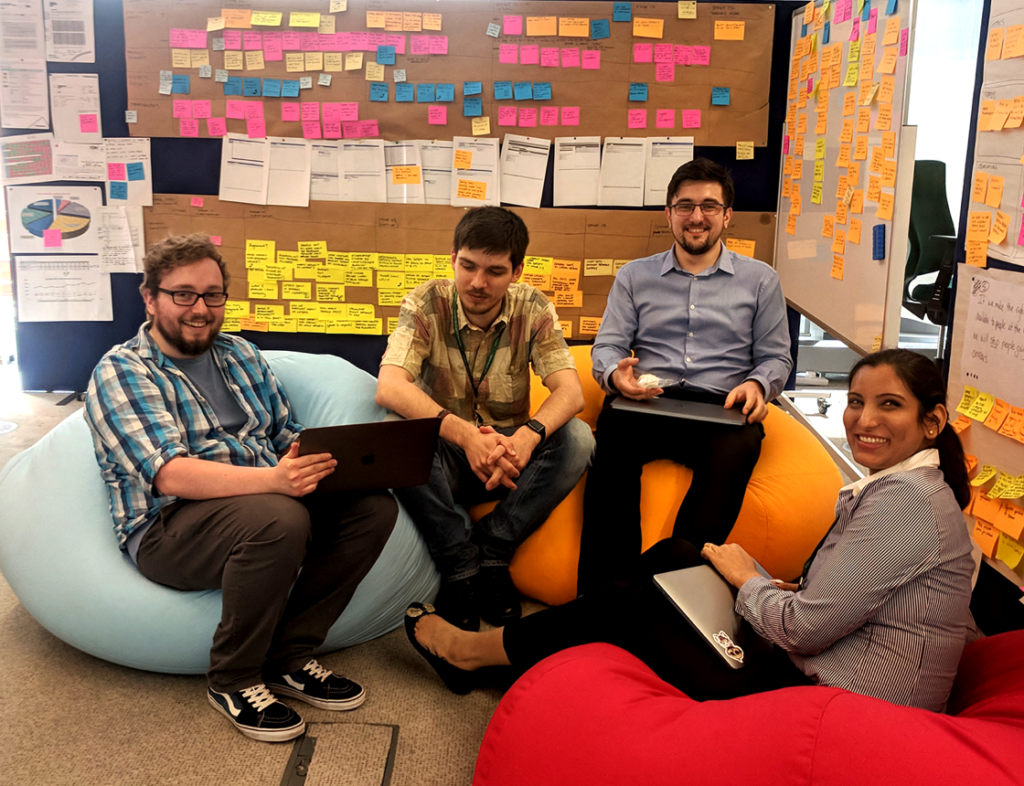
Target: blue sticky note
pixel 877 241
pixel 385 55
pixel 472 88
pixel 599 28
pixel 541 91
pixel 378 91
pixel 118 189
pixel 638 91
pixel 446 92
pixel 405 92
pixel 891 8
pixel 523 91
pixel 472 107
pixel 502 91
pixel 233 87
pixel 826 32
pixel 290 88
pixel 865 15
pixel 719 96
pixel 251 86
pixel 622 12
pixel 803 30
pixel 136 170
pixel 179 83
pixel 425 93
pixel 272 88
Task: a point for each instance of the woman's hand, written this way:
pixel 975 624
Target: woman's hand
pixel 735 565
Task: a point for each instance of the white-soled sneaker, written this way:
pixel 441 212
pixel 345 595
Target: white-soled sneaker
pixel 258 714
pixel 320 687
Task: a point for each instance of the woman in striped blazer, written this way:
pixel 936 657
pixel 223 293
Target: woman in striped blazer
pixel 881 608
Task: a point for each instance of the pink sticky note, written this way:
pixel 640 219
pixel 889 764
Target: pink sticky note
pixel 332 42
pixel 235 110
pixel 52 238
pixel 683 55
pixel 1020 236
pixel 310 42
pixel 691 118
pixel 549 115
pixel 290 112
pixel 201 109
pixel 311 129
pixel 643 53
pixel 197 201
pixel 591 59
pixel 349 111
pixel 904 41
pixel 373 40
pixel 189 127
pixel 254 110
pixel 182 107
pixel 810 85
pixel 438 44
pixel 855 30
pixel 549 57
pixel 368 128
pixel 437 115
pixel 507 115
pixel 664 53
pixel 178 38
pixel 332 129
pixel 252 39
pixel 508 53
pixel 570 115
pixel 527 117
pixel 352 129
pixel 332 113
pixel 117 172
pixel 666 118
pixel 310 110
pixel 291 42
pixel 529 54
pixel 701 55
pixel 665 72
pixel 196 39
pixel 89 123
pixel 571 57
pixel 256 128
pixel 232 39
pixel 513 25
pixel 216 239
pixel 785 145
pixel 873 21
pixel 398 42
pixel 420 44
pixel 272 49
pixel 638 118
pixel 216 126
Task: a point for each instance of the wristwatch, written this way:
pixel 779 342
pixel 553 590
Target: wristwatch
pixel 538 427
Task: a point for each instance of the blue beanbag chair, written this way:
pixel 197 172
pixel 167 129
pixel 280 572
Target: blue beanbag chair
pixel 59 553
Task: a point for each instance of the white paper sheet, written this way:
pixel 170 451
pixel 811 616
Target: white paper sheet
pixel 63 289
pixel 74 100
pixel 993 354
pixel 69 31
pixel 244 169
pixel 577 170
pixel 137 229
pixel 404 154
pixel 21 31
pixel 23 95
pixel 483 169
pixel 665 154
pixel 361 171
pixel 524 165
pixel 323 170
pixel 622 172
pixel 436 156
pixel 28 158
pixel 72 210
pixel 134 154
pixel 117 255
pixel 288 182
pixel 80 161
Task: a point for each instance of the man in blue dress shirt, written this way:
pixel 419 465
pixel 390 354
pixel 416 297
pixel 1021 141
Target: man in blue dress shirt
pixel 698 322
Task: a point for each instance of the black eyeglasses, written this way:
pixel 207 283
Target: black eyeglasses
pixel 182 297
pixel 687 208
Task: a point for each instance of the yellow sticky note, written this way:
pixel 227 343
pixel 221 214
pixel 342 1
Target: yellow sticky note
pixel 214 23
pixel 304 19
pixel 744 151
pixel 970 394
pixel 471 189
pixel 590 324
pixel 201 57
pixel 981 406
pixel 541 25
pixel 293 61
pixel 876 344
pixel 728 31
pixel 265 18
pixel 314 61
pixel 741 246
pixel 393 21
pixel 390 279
pixel 254 60
pixel 257 251
pixel 687 9
pixel 327 25
pixel 598 267
pixel 481 126
pixel 296 290
pixel 283 325
pixel 648 28
pixel 375 19
pixel 181 58
pixel 573 27
pixel 330 293
pixel 1009 550
pixel 390 263
pixel 353 61
pixel 236 308
pixel 392 324
pixel 431 21
pixel 374 72
pixel 985 474
pixel 412 22
pixel 312 249
pixel 263 290
pixel 333 61
pixel 390 297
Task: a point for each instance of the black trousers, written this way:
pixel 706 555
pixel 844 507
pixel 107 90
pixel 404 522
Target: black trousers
pixel 636 616
pixel 722 459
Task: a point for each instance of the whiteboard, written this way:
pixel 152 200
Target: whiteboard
pixel 863 308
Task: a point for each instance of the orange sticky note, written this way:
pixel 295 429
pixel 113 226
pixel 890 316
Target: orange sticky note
pixel 986 536
pixel 541 25
pixel 988 110
pixel 1013 422
pixel 889 58
pixel 728 30
pixel 962 423
pixel 837 267
pixel 463 159
pixel 1010 519
pixel 889 144
pixel 573 27
pixel 980 189
pixel 995 43
pixel 406 176
pixel 885 206
pixel 889 174
pixel 978 225
pixel 984 507
pixel 791 224
pixel 648 28
pixel 998 414
pixel 994 194
pixel 471 189
pixel 853 236
pixel 999 228
pixel 892 31
pixel 976 253
pixel 237 18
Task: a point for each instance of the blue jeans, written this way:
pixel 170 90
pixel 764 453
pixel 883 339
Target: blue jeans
pixel 459 550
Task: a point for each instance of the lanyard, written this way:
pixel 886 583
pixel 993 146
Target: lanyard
pixel 465 361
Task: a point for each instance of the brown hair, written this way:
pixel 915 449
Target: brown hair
pixel 178 251
pixel 702 170
pixel 493 230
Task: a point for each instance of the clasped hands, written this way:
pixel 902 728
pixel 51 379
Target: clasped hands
pixel 497 459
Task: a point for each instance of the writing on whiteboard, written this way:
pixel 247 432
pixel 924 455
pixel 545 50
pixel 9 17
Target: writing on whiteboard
pixel 993 352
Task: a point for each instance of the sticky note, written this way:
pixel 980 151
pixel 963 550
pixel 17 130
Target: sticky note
pixel 571 115
pixel 118 191
pixel 529 54
pixel 216 126
pixel 507 115
pixel 599 28
pixel 251 86
pixel 549 116
pixel 472 88
pixel 638 91
pixel 445 92
pixel 431 21
pixel 353 61
pixel 136 170
pixel 720 96
pixel 541 91
pixel 571 57
pixel 386 55
pixel 437 115
pixel 523 91
pixel 462 159
pixel 665 118
pixel 648 28
pixel 508 54
pixel 180 108
pixel 744 151
pixel 643 53
pixel 729 30
pixel 481 127
pixel 405 92
pixel 637 118
pixel 527 117
pixel 289 88
pixel 687 9
pixel 622 12
pixel 425 93
pixel 665 72
pixel 573 27
pixel 541 25
pixel 513 24
pixel 691 118
pixel 379 91
pixel 438 44
pixel 701 55
pixel 472 106
pixel 591 59
pixel 374 72
pixel 503 91
pixel 179 84
pixel 999 228
pixel 549 57
pixel 994 192
pixel 53 238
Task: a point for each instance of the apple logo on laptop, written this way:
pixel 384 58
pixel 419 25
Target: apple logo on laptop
pixel 369 458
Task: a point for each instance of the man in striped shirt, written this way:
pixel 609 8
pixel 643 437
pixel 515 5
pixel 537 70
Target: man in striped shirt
pixel 195 441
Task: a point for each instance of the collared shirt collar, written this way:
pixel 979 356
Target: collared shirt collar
pixel 724 263
pixel 929 457
pixel 148 348
pixel 503 316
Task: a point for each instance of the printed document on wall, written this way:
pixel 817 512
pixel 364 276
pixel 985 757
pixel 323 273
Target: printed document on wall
pixel 403 172
pixel 117 254
pixel 665 154
pixel 577 170
pixel 28 158
pixel 80 161
pixel 323 170
pixel 63 289
pixel 436 157
pixel 288 181
pixel 129 171
pixel 69 31
pixel 23 93
pixel 475 174
pixel 21 31
pixel 54 219
pixel 524 164
pixel 622 172
pixel 75 105
pixel 244 169
pixel 361 171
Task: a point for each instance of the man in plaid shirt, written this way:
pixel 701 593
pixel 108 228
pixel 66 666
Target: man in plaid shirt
pixel 207 491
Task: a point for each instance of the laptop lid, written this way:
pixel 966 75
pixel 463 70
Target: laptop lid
pixel 388 455
pixel 681 408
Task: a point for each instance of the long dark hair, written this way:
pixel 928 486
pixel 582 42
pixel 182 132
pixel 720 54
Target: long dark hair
pixel 924 380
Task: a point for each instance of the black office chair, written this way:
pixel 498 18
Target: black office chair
pixel 932 242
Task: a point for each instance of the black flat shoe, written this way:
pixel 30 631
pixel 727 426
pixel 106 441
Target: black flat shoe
pixel 457 680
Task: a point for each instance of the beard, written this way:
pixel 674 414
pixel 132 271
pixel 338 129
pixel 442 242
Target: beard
pixel 698 247
pixel 173 333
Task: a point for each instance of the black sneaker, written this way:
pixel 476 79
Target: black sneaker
pixel 497 596
pixel 456 602
pixel 320 687
pixel 258 714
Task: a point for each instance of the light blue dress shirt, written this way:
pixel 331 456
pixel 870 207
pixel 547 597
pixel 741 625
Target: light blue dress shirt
pixel 711 331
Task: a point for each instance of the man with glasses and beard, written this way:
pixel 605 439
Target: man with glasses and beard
pixel 697 322
pixel 199 452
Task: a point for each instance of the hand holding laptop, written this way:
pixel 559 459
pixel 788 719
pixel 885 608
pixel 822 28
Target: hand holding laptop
pixel 297 476
pixel 732 561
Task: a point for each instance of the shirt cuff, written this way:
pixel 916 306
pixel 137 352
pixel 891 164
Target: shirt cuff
pixel 750 586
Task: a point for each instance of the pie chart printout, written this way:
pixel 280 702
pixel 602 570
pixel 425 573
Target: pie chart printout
pixel 71 218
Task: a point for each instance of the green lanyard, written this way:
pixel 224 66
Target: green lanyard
pixel 465 361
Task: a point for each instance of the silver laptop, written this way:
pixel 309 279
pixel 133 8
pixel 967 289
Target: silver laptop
pixel 707 602
pixel 680 408
pixel 388 455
